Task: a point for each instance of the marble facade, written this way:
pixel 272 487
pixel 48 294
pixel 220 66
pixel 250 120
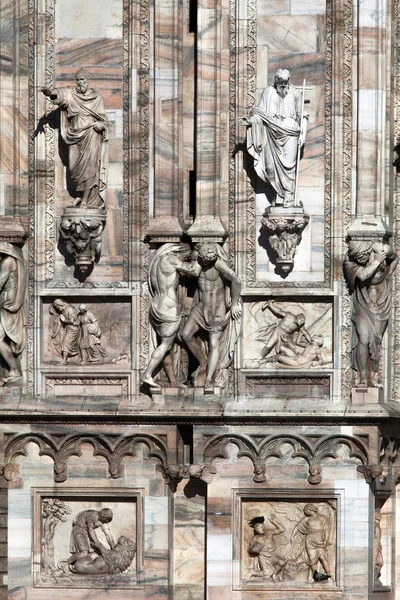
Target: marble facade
pixel 278 475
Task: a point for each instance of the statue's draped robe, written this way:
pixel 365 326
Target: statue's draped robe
pixel 87 148
pixel 12 313
pixel 272 139
pixel 90 337
pixel 311 541
pixel 164 324
pixel 229 326
pixel 369 317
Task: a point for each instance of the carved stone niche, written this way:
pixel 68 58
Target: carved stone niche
pixel 64 554
pixel 276 547
pixel 288 334
pixel 284 228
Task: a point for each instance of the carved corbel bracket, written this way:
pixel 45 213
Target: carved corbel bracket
pixel 81 230
pixel 10 471
pixel 373 472
pixel 284 229
pixel 174 474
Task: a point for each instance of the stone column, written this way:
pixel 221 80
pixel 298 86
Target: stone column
pixel 207 224
pixel 372 87
pixel 166 209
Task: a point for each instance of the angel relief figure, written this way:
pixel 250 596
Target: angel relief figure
pixel 312 539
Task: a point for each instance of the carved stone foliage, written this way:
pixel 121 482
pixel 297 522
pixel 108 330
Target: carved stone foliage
pixel 82 333
pixel 209 329
pixel 81 233
pixel 284 236
pixel 260 448
pixel 86 539
pixel 61 447
pixel 53 512
pixel 368 270
pixel 287 335
pixel 286 544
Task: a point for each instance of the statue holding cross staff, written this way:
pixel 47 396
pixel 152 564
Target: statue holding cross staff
pixel 276 133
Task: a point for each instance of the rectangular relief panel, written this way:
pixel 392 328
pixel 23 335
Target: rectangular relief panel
pixel 88 538
pixel 287 334
pixel 86 332
pixel 280 540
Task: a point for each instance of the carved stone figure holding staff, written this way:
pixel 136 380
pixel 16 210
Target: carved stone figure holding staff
pixel 84 127
pixel 277 129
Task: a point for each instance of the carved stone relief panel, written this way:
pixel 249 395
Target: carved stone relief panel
pixel 287 543
pixel 287 334
pixel 87 539
pixel 89 332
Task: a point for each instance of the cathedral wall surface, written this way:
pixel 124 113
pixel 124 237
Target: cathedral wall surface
pixel 199 299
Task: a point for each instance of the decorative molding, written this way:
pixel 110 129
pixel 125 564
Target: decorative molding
pixel 395 124
pixel 78 381
pixel 126 87
pixel 50 147
pixel 30 329
pixel 346 102
pixel 61 447
pixel 252 382
pixel 259 448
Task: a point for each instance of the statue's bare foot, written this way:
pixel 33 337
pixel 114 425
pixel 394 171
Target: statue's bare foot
pixel 208 386
pixel 179 384
pixel 13 375
pixel 151 383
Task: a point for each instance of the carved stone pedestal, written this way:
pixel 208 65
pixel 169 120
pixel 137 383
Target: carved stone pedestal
pixel 81 230
pixel 284 228
pixel 366 395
